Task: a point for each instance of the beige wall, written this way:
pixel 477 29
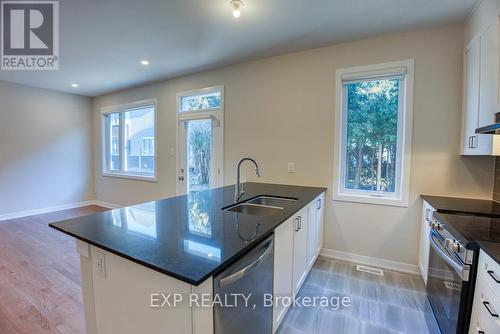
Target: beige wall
pixel 281 109
pixel 45 149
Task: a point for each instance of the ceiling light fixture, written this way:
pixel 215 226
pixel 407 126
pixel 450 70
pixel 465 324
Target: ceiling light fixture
pixel 144 62
pixel 236 4
pixel 74 85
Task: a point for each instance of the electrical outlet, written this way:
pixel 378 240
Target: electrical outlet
pixel 291 167
pixel 101 264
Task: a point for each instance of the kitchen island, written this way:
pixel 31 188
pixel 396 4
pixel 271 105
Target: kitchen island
pixel 133 257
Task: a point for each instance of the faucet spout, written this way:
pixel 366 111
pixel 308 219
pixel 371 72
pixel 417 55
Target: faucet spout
pixel 239 191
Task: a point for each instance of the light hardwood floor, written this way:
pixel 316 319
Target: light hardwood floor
pixel 389 304
pixel 40 276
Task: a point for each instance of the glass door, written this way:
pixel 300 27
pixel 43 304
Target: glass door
pixel 200 122
pixel 197 169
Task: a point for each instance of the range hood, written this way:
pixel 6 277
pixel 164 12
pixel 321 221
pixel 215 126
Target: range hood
pixel 492 129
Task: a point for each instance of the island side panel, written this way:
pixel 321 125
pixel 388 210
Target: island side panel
pixel 203 316
pixel 87 290
pixel 122 293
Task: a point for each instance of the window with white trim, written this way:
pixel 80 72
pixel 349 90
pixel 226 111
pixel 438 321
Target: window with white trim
pixel 129 144
pixel 374 133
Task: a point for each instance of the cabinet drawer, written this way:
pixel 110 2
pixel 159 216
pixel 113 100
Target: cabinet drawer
pixel 489 272
pixel 485 312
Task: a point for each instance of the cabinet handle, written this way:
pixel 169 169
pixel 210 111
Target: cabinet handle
pixel 318 204
pixel 470 145
pixel 492 274
pixel 427 214
pixel 488 308
pixel 480 332
pixel 297 228
pixel 474 143
pixel 300 222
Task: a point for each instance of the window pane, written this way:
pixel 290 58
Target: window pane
pixel 199 154
pixel 372 123
pixel 139 141
pixel 114 162
pixel 201 102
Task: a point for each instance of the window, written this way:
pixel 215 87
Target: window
pixel 129 143
pixel 201 101
pixel 200 137
pixel 373 128
pixel 148 146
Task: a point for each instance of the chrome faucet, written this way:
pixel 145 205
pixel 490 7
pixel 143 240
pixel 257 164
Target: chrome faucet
pixel 239 191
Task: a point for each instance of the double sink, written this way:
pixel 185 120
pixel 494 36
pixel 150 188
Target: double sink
pixel 262 205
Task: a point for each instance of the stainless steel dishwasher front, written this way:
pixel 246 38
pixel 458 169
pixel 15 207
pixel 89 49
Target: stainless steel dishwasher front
pixel 241 290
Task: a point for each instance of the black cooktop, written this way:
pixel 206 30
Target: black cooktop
pixel 470 229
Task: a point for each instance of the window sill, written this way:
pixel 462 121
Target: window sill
pixel 131 176
pixel 374 200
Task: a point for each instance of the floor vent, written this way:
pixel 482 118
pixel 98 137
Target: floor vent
pixel 370 270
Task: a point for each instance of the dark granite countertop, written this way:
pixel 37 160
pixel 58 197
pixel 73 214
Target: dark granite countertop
pixel 463 205
pixel 492 249
pixel 187 237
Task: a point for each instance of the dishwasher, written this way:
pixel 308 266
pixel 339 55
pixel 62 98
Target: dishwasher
pixel 252 277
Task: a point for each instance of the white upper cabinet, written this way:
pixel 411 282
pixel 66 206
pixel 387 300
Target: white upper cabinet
pixel 481 88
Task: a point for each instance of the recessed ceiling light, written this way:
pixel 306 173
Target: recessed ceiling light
pixel 144 62
pixel 236 4
pixel 74 85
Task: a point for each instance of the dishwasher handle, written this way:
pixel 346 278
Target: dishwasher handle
pixel 241 273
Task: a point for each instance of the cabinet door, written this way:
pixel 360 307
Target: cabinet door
pixel 312 228
pixel 283 269
pixel 423 256
pixel 320 217
pixel 299 249
pixel 488 83
pixel 471 97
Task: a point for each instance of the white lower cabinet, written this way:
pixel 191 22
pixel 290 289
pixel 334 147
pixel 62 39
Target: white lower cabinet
pixel 283 270
pixel 299 250
pixel 425 229
pixel 297 244
pixel 486 306
pixel 314 230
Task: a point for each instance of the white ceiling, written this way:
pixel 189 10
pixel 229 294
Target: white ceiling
pixel 102 41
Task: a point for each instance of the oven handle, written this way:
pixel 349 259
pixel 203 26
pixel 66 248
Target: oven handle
pixel 462 271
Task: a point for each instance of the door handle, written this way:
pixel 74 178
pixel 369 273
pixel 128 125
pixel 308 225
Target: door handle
pixel 492 274
pixel 488 308
pixel 241 273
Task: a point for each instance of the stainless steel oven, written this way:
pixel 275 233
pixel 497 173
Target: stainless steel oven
pixel 451 279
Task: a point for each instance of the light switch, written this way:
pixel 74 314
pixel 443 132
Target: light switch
pixel 101 264
pixel 291 167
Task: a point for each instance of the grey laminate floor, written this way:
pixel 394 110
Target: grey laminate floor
pixel 393 303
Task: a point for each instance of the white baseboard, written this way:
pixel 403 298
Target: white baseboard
pixel 20 214
pixel 371 261
pixel 107 205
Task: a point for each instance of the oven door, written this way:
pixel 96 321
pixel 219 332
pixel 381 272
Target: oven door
pixel 447 286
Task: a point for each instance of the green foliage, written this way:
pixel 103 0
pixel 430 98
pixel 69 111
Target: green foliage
pixel 372 115
pixel 200 141
pixel 201 102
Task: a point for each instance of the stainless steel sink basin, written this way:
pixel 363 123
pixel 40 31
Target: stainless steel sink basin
pixel 262 205
pixel 254 209
pixel 272 201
